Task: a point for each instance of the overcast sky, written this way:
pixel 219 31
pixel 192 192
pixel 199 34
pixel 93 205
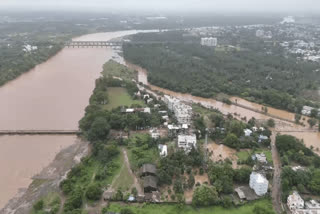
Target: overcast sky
pixel 169 5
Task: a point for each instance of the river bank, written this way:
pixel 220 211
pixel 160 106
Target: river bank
pixel 48 179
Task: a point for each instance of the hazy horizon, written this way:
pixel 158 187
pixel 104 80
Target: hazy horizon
pixel 237 6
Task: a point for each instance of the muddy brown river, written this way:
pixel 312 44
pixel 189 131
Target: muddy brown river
pixel 53 96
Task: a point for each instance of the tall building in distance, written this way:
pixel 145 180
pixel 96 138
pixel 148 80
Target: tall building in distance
pixel 209 41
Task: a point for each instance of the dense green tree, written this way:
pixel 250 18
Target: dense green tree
pixel 94 192
pixel 312 122
pixel 259 209
pixel 271 123
pixel 38 205
pixel 99 129
pixel 205 195
pixel 232 141
pixel 74 201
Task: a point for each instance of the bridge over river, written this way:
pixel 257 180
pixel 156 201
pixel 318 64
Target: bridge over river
pixel 75 44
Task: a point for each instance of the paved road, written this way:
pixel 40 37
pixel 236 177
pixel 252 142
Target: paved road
pixel 276 184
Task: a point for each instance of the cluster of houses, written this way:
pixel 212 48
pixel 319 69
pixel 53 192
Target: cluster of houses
pixel 297 205
pixel 248 133
pixel 264 34
pixel 307 110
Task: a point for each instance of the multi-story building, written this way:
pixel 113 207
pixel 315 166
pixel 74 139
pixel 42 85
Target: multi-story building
pixel 182 111
pixel 186 142
pixel 297 205
pixel 209 41
pixel 258 183
pixel 295 202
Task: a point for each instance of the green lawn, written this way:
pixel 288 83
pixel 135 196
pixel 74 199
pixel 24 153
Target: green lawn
pixel 243 155
pixel 170 209
pixel 112 68
pixel 124 180
pixel 119 97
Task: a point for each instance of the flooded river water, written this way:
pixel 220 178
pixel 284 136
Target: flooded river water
pixel 52 96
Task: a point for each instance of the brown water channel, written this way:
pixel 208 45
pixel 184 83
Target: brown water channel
pixel 52 96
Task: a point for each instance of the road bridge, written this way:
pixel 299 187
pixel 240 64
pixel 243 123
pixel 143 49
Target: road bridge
pixel 75 44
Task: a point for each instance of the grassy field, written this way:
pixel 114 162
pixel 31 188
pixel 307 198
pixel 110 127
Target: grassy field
pixel 243 155
pixel 112 68
pixel 123 179
pixel 170 209
pixel 141 154
pixel 119 97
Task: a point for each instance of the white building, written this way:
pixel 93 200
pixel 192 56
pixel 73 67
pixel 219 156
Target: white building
pixel 209 41
pixel 306 110
pixel 247 132
pixel 297 205
pixel 163 150
pixel 259 33
pixel 170 101
pixel 154 133
pixel 295 202
pixel 182 111
pixel 258 183
pixel 29 48
pixel 260 158
pixel 288 20
pixel 186 142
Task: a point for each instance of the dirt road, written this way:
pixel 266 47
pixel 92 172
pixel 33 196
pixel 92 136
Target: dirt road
pixel 276 184
pixel 135 179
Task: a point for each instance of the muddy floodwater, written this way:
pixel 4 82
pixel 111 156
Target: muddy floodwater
pixel 21 157
pixel 52 96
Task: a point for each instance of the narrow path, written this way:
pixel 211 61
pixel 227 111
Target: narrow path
pixel 63 200
pixel 276 184
pixel 136 181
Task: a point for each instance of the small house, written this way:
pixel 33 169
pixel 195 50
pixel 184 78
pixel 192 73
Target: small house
pixel 150 183
pixel 186 142
pixel 154 134
pixel 163 150
pixel 247 132
pixel 107 195
pixel 258 183
pixel 148 169
pixel 240 193
pixel 262 138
